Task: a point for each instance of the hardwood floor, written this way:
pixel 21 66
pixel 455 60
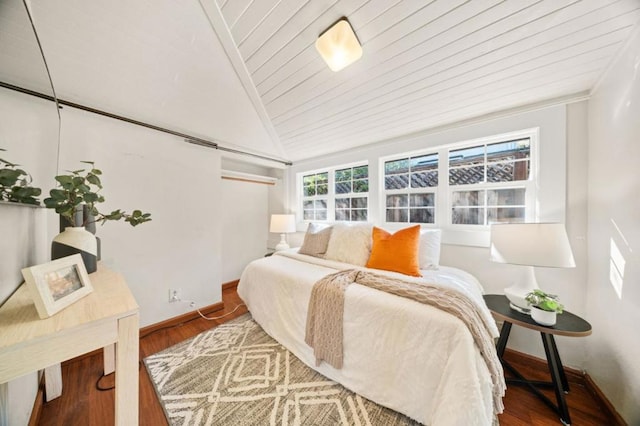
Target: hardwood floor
pixel 82 404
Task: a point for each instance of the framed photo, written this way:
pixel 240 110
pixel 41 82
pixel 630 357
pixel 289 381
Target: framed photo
pixel 57 284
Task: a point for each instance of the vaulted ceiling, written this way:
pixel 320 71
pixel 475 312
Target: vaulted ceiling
pixel 246 72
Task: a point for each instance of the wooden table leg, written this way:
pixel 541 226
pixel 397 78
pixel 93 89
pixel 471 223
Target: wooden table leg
pixel 127 350
pixel 109 359
pixel 53 382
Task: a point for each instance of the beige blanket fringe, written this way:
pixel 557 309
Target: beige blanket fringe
pixel 324 331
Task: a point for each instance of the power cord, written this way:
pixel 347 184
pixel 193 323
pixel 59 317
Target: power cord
pixel 98 382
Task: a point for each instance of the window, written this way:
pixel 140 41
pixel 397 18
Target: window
pixel 410 185
pixel 488 182
pixel 340 193
pixel 352 188
pixel 315 189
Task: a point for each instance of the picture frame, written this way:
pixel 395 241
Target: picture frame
pixel 57 284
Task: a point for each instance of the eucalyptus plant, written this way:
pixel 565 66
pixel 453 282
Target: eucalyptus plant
pixel 83 187
pixel 15 184
pixel 545 301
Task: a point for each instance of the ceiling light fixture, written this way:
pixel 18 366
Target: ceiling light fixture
pixel 339 45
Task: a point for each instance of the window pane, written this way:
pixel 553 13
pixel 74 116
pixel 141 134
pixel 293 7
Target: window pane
pixel 466 175
pixel 307 205
pixel 422 215
pixel 506 197
pixel 361 172
pixel 399 200
pixel 309 191
pixel 396 166
pixel 322 177
pixel 424 179
pixel 308 214
pixel 321 215
pixel 422 200
pixel 342 175
pixel 343 187
pixel 361 185
pixel 506 214
pixel 321 204
pixel 322 189
pixel 359 215
pixel 424 162
pixel 342 203
pixel 510 150
pixel 397 215
pixel 508 172
pixel 396 182
pixel 467 198
pixel 467 216
pixel 309 180
pixel 359 203
pixel 342 214
pixel 466 156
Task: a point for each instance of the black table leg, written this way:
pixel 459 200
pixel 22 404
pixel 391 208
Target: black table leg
pixel 502 341
pixel 563 376
pixel 557 377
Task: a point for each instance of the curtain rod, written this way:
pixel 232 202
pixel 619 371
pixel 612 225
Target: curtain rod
pixel 187 138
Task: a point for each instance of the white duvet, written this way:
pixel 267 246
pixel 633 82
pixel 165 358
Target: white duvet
pixel 399 353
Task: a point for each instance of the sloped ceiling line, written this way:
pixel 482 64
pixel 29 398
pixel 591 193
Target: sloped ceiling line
pixel 219 26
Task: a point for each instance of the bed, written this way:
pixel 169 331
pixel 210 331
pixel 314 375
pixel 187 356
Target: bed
pixel 407 356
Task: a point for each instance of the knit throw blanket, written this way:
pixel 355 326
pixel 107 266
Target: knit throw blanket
pixel 326 309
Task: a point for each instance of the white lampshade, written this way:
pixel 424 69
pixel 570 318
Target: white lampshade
pixel 282 224
pixel 529 244
pixel 339 46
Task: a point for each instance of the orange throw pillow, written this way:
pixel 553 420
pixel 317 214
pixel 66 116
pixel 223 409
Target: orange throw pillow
pixel 396 252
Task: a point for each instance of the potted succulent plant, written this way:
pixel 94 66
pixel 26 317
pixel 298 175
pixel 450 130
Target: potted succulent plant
pixel 544 307
pixel 15 184
pixel 78 192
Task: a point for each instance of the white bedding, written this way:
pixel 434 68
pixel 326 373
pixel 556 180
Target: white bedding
pixel 407 356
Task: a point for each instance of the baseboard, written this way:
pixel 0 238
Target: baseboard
pixel 172 322
pixel 573 375
pixel 38 405
pixel 230 285
pixel 595 391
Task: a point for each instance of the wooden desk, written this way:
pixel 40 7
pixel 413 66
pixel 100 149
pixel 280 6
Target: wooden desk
pixel 567 324
pixel 106 316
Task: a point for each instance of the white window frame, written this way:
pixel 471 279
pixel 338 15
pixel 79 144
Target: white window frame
pixel 409 190
pixel 462 233
pixel 331 192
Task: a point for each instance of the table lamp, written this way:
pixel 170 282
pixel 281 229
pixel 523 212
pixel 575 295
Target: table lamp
pixel 529 244
pixel 282 224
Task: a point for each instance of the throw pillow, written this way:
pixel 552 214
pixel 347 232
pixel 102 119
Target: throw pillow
pixel 316 240
pixel 429 251
pixel 350 243
pixel 396 252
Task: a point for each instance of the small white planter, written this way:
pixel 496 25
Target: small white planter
pixel 543 317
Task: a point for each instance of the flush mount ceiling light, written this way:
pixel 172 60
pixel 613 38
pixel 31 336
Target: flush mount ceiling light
pixel 339 46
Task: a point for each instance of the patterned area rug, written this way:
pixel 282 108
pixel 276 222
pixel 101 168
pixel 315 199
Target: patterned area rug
pixel 236 374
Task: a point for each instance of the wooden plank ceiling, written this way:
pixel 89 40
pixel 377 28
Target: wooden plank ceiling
pixel 425 63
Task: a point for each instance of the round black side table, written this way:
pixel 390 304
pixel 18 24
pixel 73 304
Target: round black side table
pixel 567 324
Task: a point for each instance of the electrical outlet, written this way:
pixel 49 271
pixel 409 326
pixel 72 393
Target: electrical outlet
pixel 174 295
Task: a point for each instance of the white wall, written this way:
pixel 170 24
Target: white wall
pixel 614 219
pixel 561 194
pixel 245 215
pixel 179 184
pixel 29 131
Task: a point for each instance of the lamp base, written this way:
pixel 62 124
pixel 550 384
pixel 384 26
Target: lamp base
pixel 519 290
pixel 282 245
pixel 526 311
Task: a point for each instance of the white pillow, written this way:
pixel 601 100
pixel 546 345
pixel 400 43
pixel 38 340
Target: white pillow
pixel 429 251
pixel 350 243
